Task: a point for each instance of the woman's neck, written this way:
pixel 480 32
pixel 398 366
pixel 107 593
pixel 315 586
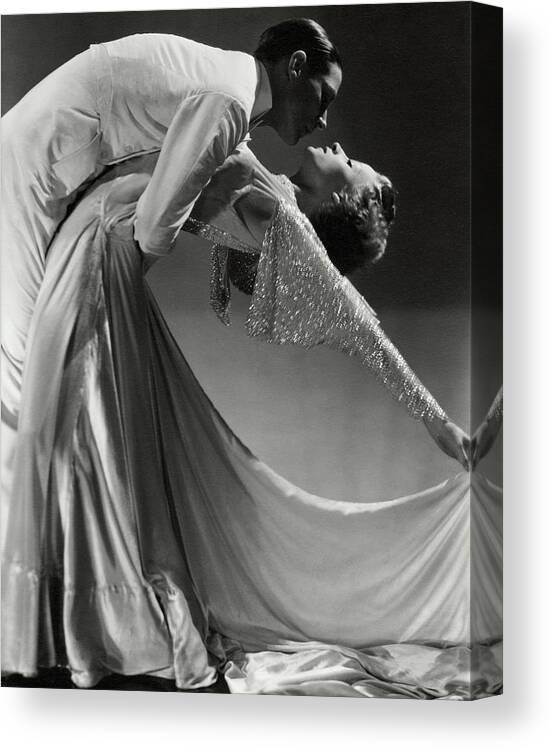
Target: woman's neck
pixel 307 200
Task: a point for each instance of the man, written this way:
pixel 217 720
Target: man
pixel 144 93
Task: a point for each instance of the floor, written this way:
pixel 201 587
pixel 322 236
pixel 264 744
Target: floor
pixel 59 679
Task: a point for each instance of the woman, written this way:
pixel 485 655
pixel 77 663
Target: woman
pixel 143 537
pixel 351 207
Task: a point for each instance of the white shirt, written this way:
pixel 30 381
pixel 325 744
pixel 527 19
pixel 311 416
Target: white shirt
pixel 148 93
pixel 192 102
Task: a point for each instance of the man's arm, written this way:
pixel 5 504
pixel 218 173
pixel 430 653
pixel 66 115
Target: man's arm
pixel 205 130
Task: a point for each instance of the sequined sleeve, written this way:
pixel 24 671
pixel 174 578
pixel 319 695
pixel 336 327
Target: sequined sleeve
pixel 218 236
pixel 225 244
pixel 495 412
pixel 300 298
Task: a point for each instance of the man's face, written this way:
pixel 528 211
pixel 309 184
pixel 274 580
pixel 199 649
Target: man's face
pixel 301 103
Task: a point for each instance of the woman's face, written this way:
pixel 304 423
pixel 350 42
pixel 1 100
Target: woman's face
pixel 327 169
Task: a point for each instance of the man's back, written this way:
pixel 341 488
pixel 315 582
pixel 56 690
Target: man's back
pixel 150 76
pixel 109 103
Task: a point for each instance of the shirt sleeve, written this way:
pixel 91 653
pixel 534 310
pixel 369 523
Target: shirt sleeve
pixel 205 130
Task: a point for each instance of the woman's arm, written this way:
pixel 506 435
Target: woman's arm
pixel 230 182
pixel 234 202
pixel 486 433
pixel 301 298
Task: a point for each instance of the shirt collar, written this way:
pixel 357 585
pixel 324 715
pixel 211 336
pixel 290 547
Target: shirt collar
pixel 263 97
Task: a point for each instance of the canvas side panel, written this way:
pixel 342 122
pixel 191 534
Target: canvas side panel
pixel 486 344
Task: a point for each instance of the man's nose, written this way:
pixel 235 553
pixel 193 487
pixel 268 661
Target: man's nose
pixel 322 121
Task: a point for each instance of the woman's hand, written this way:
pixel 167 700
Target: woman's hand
pixel 451 439
pixel 484 437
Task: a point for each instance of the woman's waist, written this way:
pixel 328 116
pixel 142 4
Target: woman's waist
pixel 220 236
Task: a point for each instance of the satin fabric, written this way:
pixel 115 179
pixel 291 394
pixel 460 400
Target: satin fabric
pixel 393 671
pixel 143 537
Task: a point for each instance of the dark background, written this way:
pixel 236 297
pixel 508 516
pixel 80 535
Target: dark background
pixel 404 107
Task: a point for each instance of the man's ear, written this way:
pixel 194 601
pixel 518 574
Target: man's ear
pixel 297 64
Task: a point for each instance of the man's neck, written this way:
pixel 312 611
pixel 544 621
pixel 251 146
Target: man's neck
pixel 263 97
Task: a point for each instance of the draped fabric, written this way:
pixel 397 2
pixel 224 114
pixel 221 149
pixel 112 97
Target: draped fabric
pixel 143 537
pixel 93 574
pixel 391 671
pixel 144 94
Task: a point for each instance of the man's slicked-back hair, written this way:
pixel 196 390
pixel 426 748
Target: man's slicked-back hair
pixel 285 38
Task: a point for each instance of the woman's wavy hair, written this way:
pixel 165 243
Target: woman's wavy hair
pixel 285 38
pixel 355 228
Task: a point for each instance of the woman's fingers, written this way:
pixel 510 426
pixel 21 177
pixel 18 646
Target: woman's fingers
pixel 451 440
pixel 459 444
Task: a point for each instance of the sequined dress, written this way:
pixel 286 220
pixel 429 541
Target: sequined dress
pixel 142 536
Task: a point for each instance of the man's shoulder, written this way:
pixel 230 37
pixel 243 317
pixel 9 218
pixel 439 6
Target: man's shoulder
pixel 231 73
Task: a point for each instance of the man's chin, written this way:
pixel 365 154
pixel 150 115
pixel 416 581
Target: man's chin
pixel 290 139
pixel 288 136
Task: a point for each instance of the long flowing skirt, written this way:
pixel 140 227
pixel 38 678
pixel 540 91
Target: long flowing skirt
pixel 143 537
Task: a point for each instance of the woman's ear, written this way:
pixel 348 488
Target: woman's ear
pixel 336 198
pixel 297 64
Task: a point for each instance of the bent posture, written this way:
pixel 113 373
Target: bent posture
pixel 302 290
pixel 143 537
pixel 189 103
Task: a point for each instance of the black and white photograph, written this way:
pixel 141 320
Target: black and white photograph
pixel 252 351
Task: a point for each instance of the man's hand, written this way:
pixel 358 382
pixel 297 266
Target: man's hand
pixel 229 183
pixel 451 439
